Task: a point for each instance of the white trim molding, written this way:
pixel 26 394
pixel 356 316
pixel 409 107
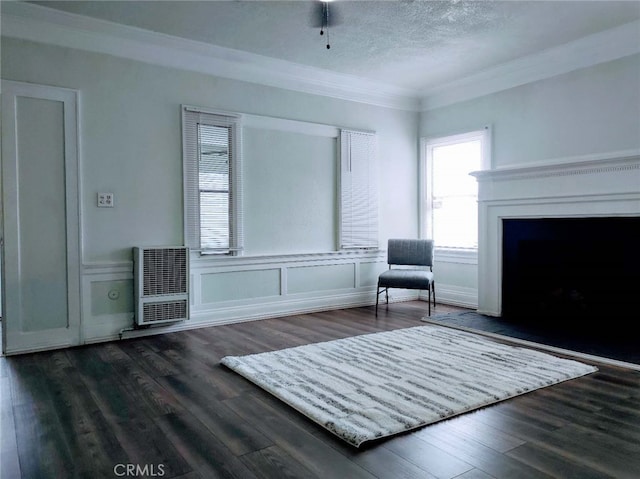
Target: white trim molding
pixel 286 284
pixel 625 160
pixel 591 50
pixel 46 25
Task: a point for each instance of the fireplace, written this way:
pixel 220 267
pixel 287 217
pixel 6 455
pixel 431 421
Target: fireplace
pixel 595 195
pixel 570 269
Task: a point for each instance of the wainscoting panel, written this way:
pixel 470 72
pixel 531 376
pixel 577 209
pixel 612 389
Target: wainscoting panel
pixel 239 285
pixel 369 272
pixel 306 279
pixel 286 284
pixel 230 290
pixel 107 300
pixel 111 297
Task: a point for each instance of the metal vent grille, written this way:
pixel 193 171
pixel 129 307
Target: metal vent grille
pixel 165 311
pixel 165 271
pixel 161 284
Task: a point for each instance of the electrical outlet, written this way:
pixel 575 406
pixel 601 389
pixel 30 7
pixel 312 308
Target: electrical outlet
pixel 105 200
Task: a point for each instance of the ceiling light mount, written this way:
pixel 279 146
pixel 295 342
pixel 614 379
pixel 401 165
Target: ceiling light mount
pixel 324 18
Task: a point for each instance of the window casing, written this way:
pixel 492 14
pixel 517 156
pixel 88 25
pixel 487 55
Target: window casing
pixel 449 210
pixel 212 181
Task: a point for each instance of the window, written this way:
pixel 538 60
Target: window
pixel 358 190
pixel 450 194
pixel 212 182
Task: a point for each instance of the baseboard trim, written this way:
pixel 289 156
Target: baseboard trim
pixel 240 314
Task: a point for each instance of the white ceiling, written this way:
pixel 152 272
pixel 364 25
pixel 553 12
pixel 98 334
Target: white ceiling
pixel 410 45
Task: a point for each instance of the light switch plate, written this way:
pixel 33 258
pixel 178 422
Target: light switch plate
pixel 105 200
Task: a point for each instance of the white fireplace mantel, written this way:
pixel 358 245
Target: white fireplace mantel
pixel 590 186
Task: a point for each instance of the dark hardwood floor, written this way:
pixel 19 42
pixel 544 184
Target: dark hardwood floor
pixel 162 406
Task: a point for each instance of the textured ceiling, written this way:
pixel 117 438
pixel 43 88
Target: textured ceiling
pixel 416 45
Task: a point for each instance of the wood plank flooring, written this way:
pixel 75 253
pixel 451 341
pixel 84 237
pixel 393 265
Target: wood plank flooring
pixel 162 406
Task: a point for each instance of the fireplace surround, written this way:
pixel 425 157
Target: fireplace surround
pixel 589 187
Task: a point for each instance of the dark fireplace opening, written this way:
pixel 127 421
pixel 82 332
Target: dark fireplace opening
pixel 572 271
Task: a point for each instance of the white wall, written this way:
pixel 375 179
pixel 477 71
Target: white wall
pixel 586 112
pixel 130 144
pixel 281 167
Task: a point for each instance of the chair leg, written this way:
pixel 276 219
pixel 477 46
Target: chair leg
pixel 377 298
pixel 429 301
pixel 433 287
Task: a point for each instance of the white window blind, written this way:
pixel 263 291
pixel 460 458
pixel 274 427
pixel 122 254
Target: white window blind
pixel 212 182
pixel 358 190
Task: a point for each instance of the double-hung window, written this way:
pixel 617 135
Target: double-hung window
pixel 212 181
pixel 450 193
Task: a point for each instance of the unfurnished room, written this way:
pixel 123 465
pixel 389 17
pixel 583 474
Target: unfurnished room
pixel 320 239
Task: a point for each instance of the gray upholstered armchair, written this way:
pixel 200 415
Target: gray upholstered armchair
pixel 408 252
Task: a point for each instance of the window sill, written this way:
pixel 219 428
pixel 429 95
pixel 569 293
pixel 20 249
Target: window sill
pixel 226 260
pixel 456 255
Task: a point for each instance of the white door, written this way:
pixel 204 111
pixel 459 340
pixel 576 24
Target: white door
pixel 40 220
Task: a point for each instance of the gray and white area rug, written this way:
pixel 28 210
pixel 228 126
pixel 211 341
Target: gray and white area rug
pixel 376 385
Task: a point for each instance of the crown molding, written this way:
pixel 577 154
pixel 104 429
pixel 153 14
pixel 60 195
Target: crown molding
pixel 591 50
pixel 619 161
pixel 46 25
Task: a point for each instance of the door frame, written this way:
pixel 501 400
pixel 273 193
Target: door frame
pixel 14 339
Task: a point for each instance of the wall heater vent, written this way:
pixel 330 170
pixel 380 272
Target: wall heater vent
pixel 161 284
